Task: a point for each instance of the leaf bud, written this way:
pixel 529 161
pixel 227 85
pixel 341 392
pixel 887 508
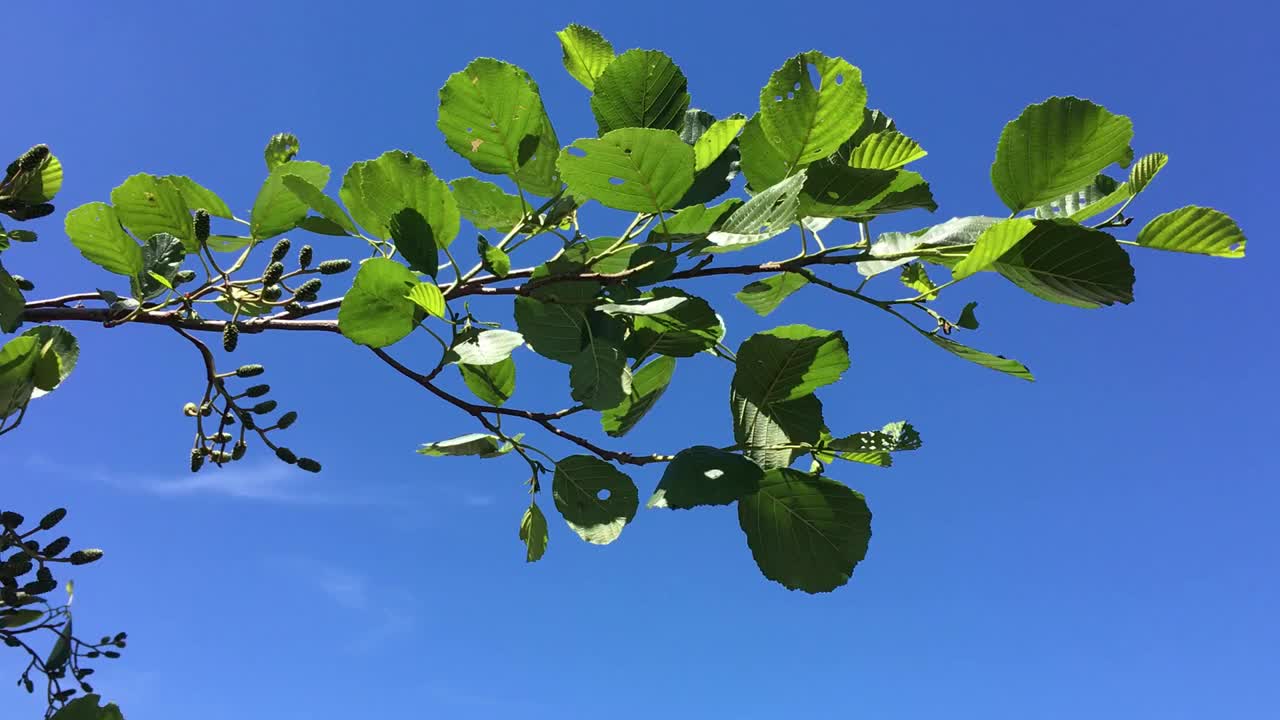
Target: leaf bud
pixel 280 250
pixel 183 276
pixel 333 267
pixel 23 284
pixel 220 438
pixel 309 465
pixel 220 457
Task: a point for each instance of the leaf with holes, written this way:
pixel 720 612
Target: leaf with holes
pixel 598 375
pixel 95 230
pixel 493 383
pixel 636 169
pixel 375 190
pixel 586 53
pixel 764 296
pixel 807 120
pixel 533 533
pixel 1055 147
pixel 894 437
pixel 491 114
pixel 277 209
pixel 640 89
pixel 703 475
pixel 1064 262
pixel 647 386
pixel 888 150
pixel 594 497
pixel 768 214
pixel 377 310
pixel 805 531
pixel 1193 229
pixel 834 191
pixel 148 205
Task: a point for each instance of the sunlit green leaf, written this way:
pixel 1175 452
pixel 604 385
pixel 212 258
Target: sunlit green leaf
pixel 281 148
pixel 764 296
pixel 198 197
pixel 162 256
pixel 999 363
pixel 715 140
pixel 473 444
pixel 636 169
pixel 427 296
pixel 493 258
pixel 376 310
pixel 486 206
pixel 767 433
pixel 59 351
pixel 640 89
pixel 375 190
pixel 484 347
pixel 491 114
pixel 768 214
pixel 1194 229
pixel 95 230
pixel 1064 262
pixel 681 331
pixel 277 209
pixel 315 199
pixel 533 532
pixel 491 383
pixel 807 121
pixel 888 150
pixel 994 241
pixel 586 53
pixel 147 205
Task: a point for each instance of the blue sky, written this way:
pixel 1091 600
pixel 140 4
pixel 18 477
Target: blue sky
pixel 1098 544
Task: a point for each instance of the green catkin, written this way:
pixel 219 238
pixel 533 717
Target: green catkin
pixel 247 371
pixel 286 455
pixel 48 522
pixel 201 226
pixel 264 407
pixel 304 256
pixel 309 465
pixel 307 290
pixel 230 337
pixel 293 308
pixel 287 419
pixel 273 273
pixel 272 293
pixel 257 391
pixel 280 250
pixel 333 267
pixel 197 460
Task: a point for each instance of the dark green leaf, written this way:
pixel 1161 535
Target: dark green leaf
pixel 493 258
pixel 647 386
pixel 789 362
pixel 491 383
pixel 766 432
pixel 162 254
pixel 58 354
pixel 595 499
pixel 1068 263
pixel 553 330
pixel 682 331
pixel 968 320
pixel 598 375
pixel 415 240
pixel 703 475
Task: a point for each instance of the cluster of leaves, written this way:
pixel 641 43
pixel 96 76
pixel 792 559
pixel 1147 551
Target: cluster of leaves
pixel 614 308
pixel 29 620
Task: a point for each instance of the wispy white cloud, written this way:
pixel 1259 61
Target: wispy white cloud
pixel 383 613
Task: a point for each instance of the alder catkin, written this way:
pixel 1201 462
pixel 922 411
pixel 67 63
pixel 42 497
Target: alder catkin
pixel 304 256
pixel 230 337
pixel 280 250
pixel 333 267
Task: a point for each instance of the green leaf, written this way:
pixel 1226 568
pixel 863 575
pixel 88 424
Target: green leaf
pixel 763 165
pixel 60 653
pixel 805 532
pixel 1194 229
pixel 492 258
pixel 162 256
pixel 1055 147
pixel 1145 170
pixel 147 205
pixel 86 708
pixel 715 179
pixel 832 190
pixel 473 444
pixel 968 320
pixel 415 240
pixel 486 206
pixel 494 383
pixel 636 169
pixel 887 150
pixel 765 432
pixel 277 209
pixel 598 375
pixel 991 244
pixel 231 243
pixel 196 196
pixel 491 114
pixel 376 310
pixel 894 437
pixel 956 231
pixel 764 296
pixel 640 89
pixel 315 199
pixel 553 330
pixel 595 499
pixel 59 351
pixel 999 363
pixel 539 175
pixel 375 190
pixel 682 331
pixel 915 277
pixel 12 303
pixel 694 221
pixel 789 362
pixel 533 532
pixel 12 620
pixel 712 143
pixel 585 53
pixel 427 296
pixel 1090 199
pixel 647 386
pixel 18 359
pixel 484 347
pixel 770 213
pixel 41 187
pixel 1064 262
pixel 807 122
pixel 281 148
pixel 703 475
pixel 95 230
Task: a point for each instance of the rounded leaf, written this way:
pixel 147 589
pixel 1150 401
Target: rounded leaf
pixel 594 497
pixel 636 169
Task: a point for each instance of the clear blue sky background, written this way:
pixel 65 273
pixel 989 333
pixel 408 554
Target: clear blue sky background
pixel 1099 544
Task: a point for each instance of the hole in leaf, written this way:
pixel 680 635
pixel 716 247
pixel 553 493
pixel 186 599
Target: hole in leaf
pixel 840 79
pixel 797 87
pixel 469 130
pixel 493 124
pixel 1235 247
pixel 777 98
pixel 603 494
pixel 763 229
pixel 626 151
pixel 815 78
pixel 577 151
pixel 616 181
